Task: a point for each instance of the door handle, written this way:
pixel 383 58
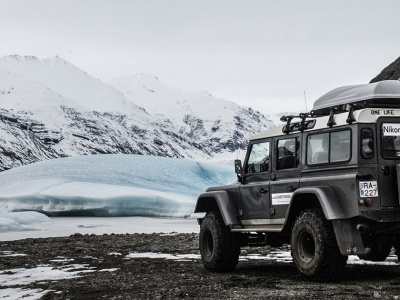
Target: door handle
pixel 262 191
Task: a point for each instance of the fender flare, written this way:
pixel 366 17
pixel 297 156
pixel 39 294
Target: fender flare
pixel 326 198
pixel 347 236
pixel 213 200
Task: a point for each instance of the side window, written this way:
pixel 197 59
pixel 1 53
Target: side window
pixel 367 143
pixel 328 147
pixel 258 158
pixel 318 148
pixel 340 146
pixel 287 154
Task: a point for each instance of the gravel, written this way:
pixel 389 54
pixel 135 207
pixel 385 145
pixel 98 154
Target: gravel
pixel 114 275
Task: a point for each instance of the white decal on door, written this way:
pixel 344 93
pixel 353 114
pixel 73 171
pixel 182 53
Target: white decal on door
pixel 281 198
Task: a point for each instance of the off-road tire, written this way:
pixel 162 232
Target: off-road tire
pixel 219 247
pixel 396 246
pixel 314 247
pixel 380 249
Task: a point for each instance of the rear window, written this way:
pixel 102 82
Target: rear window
pixel 367 143
pixel 391 140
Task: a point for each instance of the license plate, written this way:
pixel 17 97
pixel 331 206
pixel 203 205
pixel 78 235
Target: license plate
pixel 368 189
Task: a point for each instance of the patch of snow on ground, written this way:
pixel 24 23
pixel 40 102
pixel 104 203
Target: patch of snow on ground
pixel 22 276
pixel 10 254
pixel 178 257
pixel 60 259
pixel 26 294
pixel 390 261
pixel 278 256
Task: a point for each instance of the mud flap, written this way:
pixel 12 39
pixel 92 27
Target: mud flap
pixel 348 237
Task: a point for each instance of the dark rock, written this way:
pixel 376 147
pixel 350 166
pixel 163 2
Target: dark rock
pixel 391 72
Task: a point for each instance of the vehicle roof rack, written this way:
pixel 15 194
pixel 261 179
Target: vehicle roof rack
pixel 382 94
pixel 297 126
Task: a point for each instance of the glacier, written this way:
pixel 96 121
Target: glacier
pixel 110 185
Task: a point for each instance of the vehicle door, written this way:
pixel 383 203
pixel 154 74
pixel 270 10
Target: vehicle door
pixel 254 204
pixel 286 174
pixel 389 155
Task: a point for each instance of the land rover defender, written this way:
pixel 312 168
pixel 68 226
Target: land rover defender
pixel 325 182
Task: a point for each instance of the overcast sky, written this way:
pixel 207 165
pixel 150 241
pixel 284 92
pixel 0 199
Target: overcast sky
pixel 258 53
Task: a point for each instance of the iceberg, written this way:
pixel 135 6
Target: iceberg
pixel 110 185
pixel 18 221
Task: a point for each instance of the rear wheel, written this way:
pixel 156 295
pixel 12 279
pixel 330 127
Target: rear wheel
pixel 380 248
pixel 219 247
pixel 396 245
pixel 314 248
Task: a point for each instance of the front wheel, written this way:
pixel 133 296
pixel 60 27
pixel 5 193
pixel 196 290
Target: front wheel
pixel 314 248
pixel 219 247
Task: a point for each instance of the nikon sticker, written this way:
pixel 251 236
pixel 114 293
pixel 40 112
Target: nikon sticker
pixel 391 129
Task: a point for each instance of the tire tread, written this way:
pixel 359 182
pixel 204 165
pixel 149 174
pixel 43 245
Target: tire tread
pixel 226 255
pixel 332 261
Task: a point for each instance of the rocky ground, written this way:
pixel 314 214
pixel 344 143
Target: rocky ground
pixel 124 277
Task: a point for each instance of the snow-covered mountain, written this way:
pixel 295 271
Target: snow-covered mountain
pixel 50 108
pixel 217 124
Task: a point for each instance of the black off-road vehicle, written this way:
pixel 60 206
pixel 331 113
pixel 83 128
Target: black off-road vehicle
pixel 326 182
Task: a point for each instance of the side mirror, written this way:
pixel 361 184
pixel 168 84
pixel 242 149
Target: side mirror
pixel 238 169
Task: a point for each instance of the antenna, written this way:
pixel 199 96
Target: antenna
pixel 305 100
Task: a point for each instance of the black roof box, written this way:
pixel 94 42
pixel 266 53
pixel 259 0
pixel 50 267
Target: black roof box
pixel 378 94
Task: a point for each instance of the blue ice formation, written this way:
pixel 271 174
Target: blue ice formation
pixel 16 221
pixel 110 185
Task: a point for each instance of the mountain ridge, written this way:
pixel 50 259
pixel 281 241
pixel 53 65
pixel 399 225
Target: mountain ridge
pixel 51 108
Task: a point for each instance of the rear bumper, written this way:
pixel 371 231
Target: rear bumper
pixel 382 216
